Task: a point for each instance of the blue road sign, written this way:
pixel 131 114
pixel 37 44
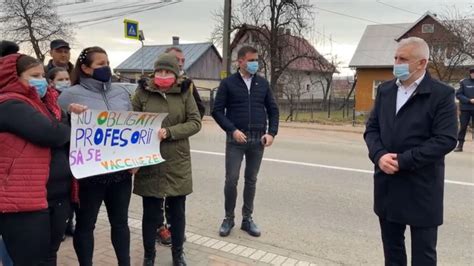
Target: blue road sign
pixel 131 29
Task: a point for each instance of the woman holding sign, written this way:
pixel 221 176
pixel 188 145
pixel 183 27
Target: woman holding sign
pixel 172 179
pixel 91 86
pixel 35 180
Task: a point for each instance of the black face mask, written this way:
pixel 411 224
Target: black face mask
pixel 102 74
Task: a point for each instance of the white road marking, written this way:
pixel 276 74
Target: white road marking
pixel 325 166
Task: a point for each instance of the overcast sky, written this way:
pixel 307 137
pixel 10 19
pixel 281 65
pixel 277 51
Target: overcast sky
pixel 192 21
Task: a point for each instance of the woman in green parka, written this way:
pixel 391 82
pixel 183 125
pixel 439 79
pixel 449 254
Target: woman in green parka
pixel 171 179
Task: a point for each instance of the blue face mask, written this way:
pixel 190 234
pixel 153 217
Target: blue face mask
pixel 41 86
pixel 62 85
pixel 401 71
pixel 102 74
pixel 252 67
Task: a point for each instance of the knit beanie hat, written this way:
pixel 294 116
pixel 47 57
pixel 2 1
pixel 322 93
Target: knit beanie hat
pixel 167 62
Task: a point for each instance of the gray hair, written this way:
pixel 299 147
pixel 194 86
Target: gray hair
pixel 421 51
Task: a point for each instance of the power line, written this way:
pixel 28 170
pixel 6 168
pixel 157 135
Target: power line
pixel 73 3
pixel 89 7
pixel 354 17
pixel 152 6
pixel 399 8
pixel 346 15
pixel 117 15
pixel 108 9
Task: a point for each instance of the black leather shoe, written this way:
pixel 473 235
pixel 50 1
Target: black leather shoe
pixel 250 227
pixel 458 149
pixel 178 257
pixel 148 261
pixel 226 227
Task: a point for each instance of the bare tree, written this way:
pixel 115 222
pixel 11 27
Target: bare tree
pixel 34 23
pixel 456 48
pixel 294 89
pixel 277 27
pixel 324 80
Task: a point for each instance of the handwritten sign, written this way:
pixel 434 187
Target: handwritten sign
pixel 110 141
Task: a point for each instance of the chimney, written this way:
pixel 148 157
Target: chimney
pixel 175 40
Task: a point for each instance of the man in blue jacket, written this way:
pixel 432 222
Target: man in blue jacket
pixel 465 95
pixel 243 105
pixel 410 130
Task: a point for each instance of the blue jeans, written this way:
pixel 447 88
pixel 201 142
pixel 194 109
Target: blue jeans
pixel 4 257
pixel 234 154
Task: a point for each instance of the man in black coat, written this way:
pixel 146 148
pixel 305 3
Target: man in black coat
pixel 184 80
pixel 410 130
pixel 244 103
pixel 60 52
pixel 465 95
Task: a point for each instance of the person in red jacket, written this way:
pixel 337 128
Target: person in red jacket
pixel 34 170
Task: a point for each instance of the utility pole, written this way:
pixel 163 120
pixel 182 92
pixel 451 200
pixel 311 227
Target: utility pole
pixel 141 38
pixel 226 54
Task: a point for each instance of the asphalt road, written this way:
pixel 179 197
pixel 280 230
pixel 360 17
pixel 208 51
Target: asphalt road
pixel 314 197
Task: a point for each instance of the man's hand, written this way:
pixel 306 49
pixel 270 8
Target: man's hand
pixel 76 108
pixel 389 164
pixel 162 134
pixel 239 136
pixel 472 101
pixel 267 140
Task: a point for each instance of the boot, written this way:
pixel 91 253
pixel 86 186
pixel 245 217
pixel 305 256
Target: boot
pixel 249 226
pixel 459 147
pixel 226 226
pixel 178 257
pixel 149 261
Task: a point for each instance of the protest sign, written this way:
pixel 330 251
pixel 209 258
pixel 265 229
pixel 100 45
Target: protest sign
pixel 110 141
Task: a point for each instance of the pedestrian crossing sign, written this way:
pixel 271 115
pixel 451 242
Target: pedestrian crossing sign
pixel 131 29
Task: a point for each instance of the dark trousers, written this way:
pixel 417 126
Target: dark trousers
pixel 4 257
pixel 58 214
pixel 464 119
pixel 253 151
pixel 116 197
pixel 26 236
pixel 153 218
pixel 423 244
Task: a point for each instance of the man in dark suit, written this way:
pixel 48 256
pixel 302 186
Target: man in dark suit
pixel 410 130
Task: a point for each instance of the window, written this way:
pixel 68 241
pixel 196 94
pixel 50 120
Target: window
pixel 374 87
pixel 427 28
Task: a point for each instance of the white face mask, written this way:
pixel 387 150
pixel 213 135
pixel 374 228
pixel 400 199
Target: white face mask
pixel 62 85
